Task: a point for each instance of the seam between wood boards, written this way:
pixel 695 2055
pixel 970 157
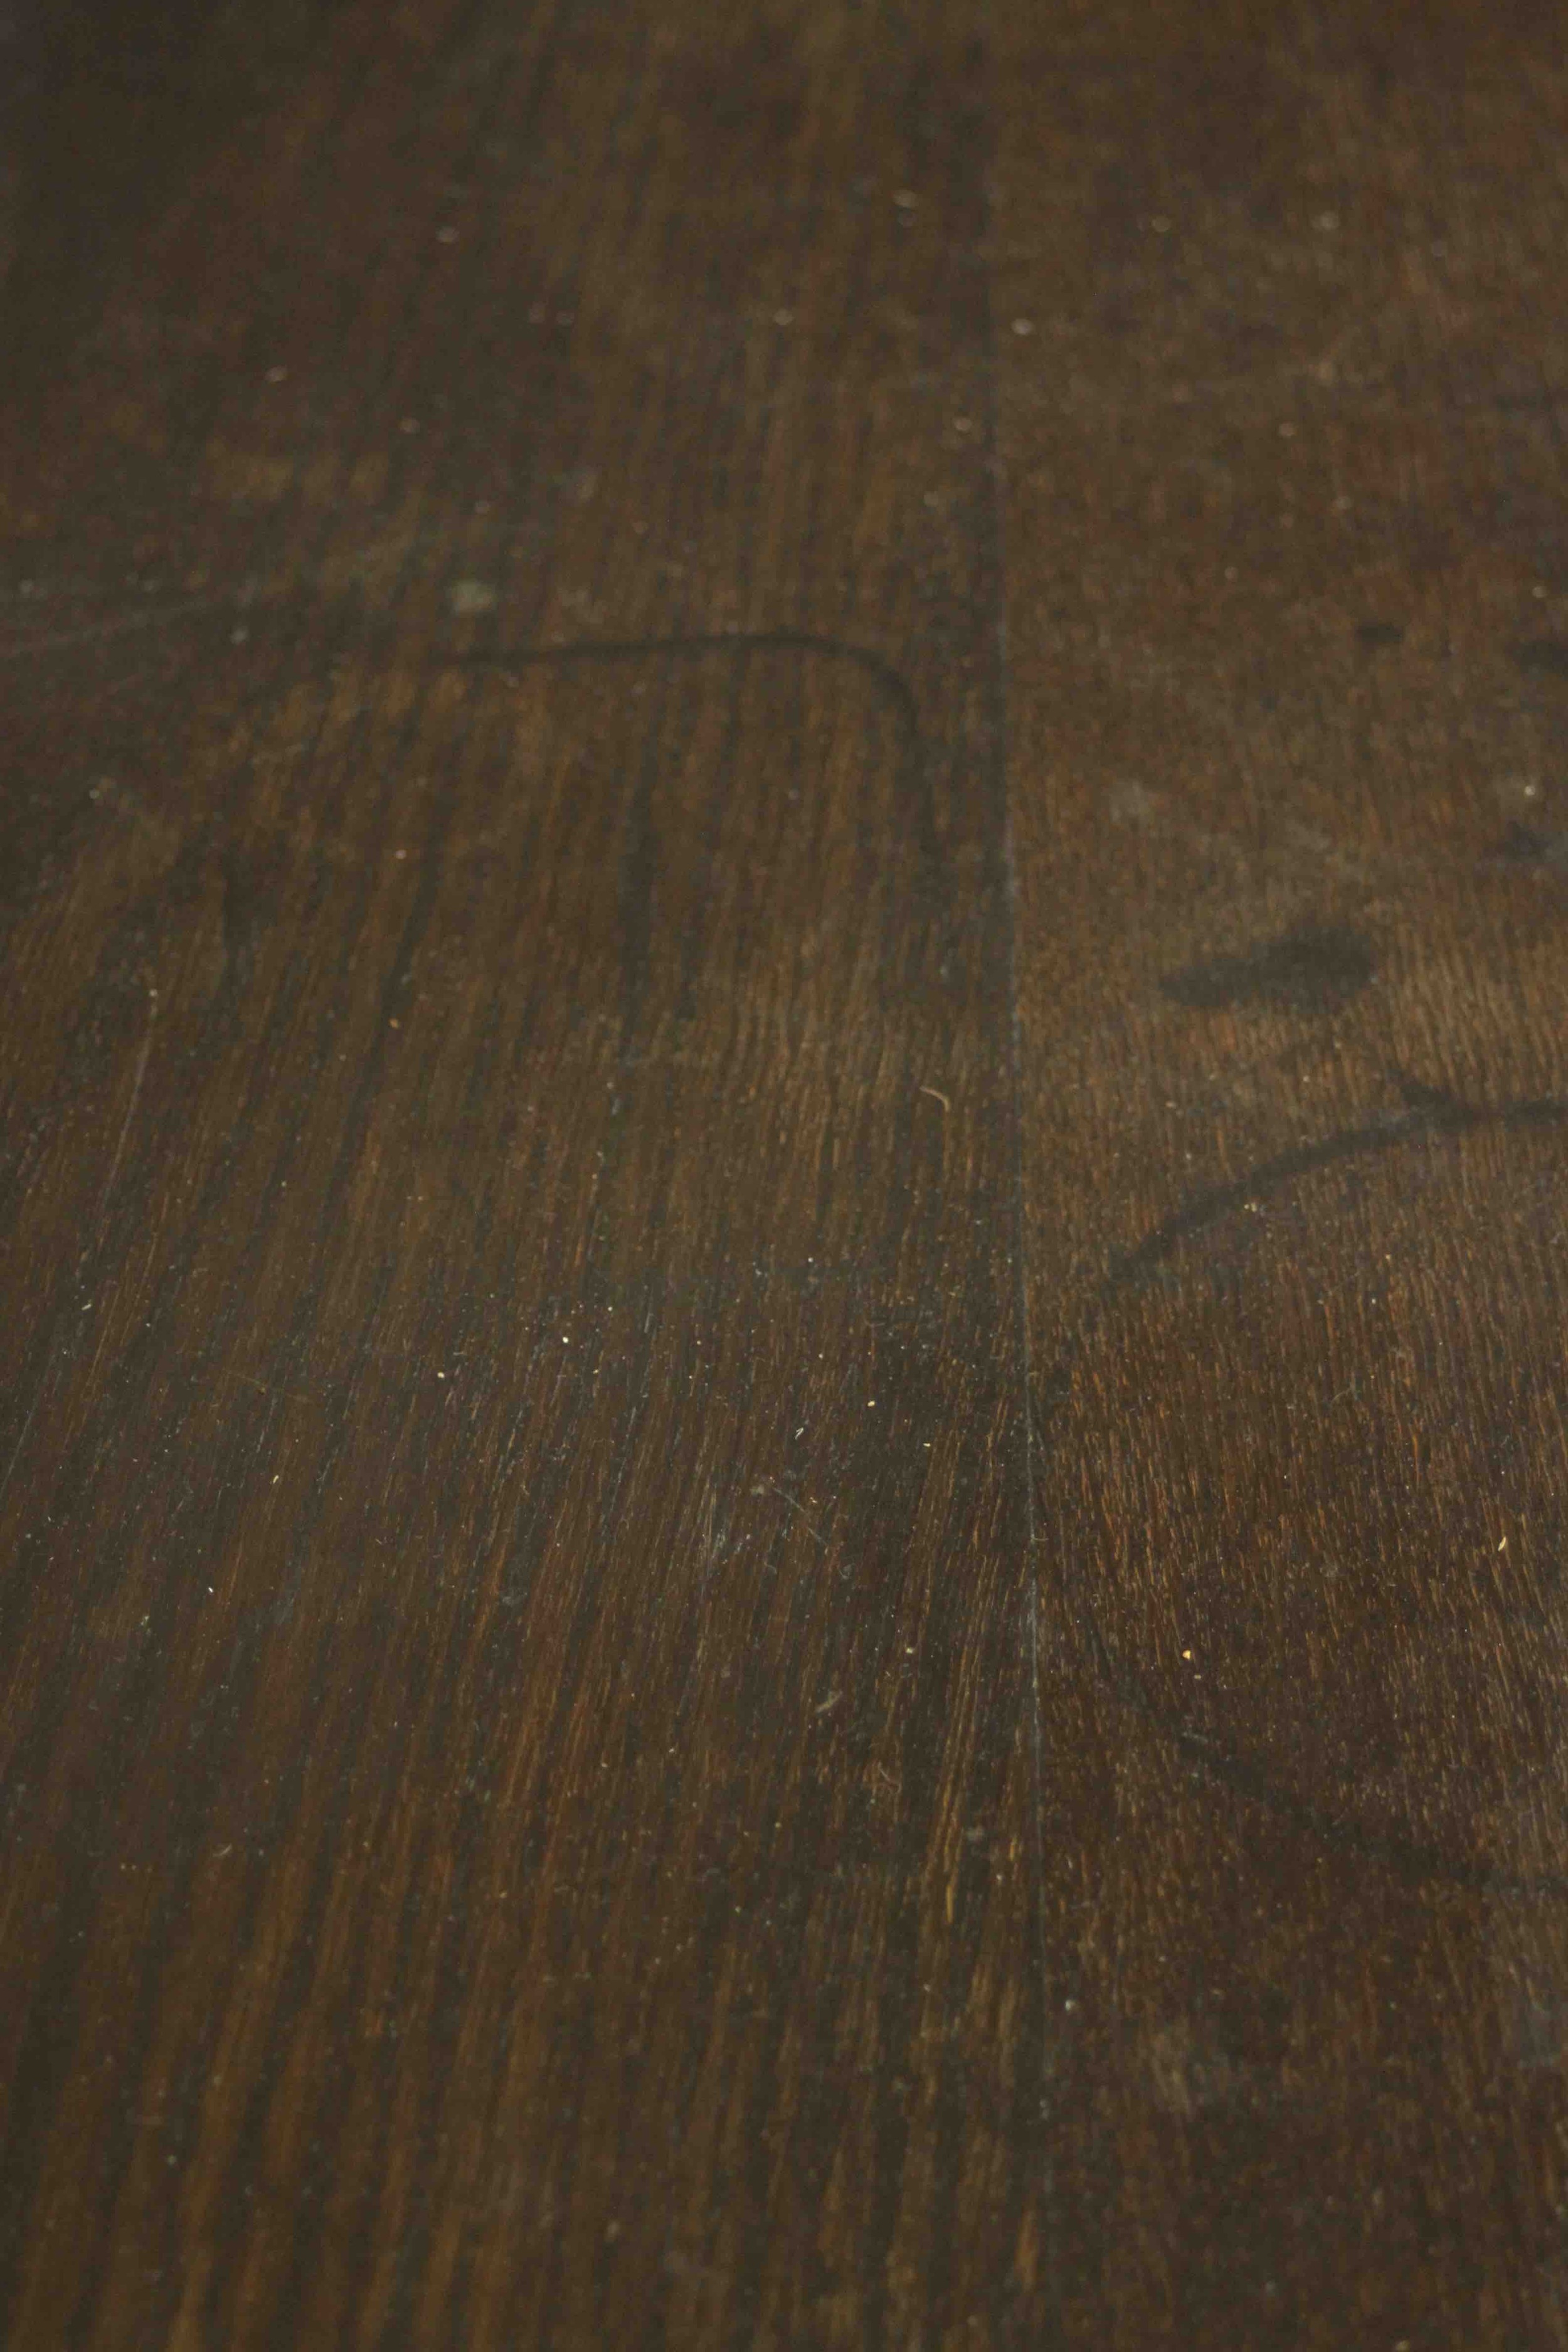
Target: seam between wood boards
pixel 1029 1626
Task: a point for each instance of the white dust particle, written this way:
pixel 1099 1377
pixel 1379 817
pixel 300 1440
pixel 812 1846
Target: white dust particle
pixel 469 596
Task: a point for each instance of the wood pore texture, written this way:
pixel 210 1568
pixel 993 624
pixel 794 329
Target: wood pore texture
pixel 783 1175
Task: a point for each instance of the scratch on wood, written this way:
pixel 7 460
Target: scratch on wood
pixel 790 1502
pixel 94 631
pixel 141 1061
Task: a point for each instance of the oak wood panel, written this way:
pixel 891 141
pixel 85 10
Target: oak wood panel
pixel 508 517
pixel 1285 582
pixel 519 1709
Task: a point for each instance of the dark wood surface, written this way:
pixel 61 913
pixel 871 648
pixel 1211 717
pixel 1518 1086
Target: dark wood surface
pixel 784 1178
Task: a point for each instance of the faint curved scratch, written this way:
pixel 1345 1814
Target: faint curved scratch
pixel 141 1061
pixel 92 632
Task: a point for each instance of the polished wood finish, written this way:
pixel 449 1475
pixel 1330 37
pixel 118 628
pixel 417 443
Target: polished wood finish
pixel 783 1485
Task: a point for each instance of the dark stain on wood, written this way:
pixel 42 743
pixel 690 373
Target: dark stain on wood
pixel 1313 969
pixel 1548 656
pixel 781 1529
pixel 1330 1659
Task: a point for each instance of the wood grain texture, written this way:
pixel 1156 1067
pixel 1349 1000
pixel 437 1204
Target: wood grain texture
pixel 782 1176
pixel 518 1733
pixel 526 1301
pixel 1285 590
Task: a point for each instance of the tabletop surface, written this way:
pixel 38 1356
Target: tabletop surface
pixel 784 1174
